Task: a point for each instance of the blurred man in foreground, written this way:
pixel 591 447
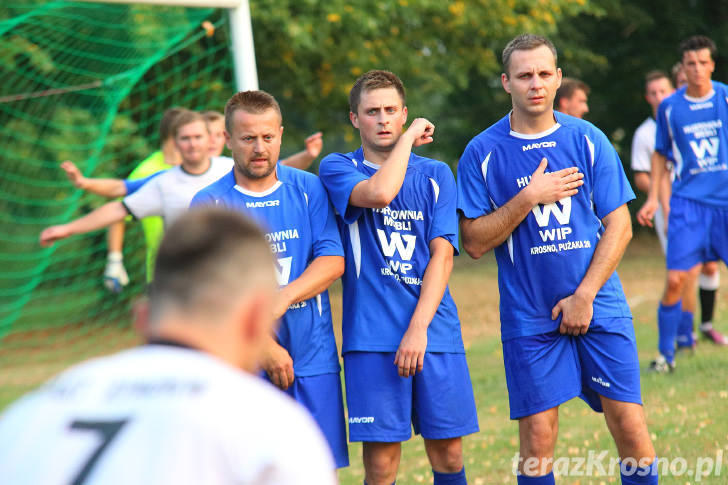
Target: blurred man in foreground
pixel 179 409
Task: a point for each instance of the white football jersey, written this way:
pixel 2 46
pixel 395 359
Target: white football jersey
pixel 160 414
pixel 169 194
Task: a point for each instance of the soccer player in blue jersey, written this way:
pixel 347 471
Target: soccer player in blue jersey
pixel 547 191
pixel 404 359
pixel 692 123
pixel 299 224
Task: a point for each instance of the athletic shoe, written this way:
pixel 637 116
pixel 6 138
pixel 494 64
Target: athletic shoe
pixel 714 336
pixel 661 366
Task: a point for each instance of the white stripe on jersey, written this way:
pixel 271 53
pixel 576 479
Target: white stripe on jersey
pixel 355 245
pixel 591 148
pixel 436 188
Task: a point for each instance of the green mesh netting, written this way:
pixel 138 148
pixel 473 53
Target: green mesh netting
pixel 86 82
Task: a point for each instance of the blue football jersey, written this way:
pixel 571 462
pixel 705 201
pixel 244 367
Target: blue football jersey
pixel 299 224
pixel 545 258
pixel 696 132
pixel 387 252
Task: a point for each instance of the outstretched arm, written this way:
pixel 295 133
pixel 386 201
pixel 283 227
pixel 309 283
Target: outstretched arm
pixel 484 233
pixel 378 190
pixel 577 309
pixel 105 187
pixel 410 356
pixel 101 217
pixel 314 143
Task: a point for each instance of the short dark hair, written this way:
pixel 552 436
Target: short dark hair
pixel 374 79
pixel 569 86
pixel 525 42
pixel 167 121
pixel 185 117
pixel 655 75
pixel 695 43
pixel 207 256
pixel 254 102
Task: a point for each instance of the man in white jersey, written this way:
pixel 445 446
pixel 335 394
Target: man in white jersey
pixel 179 409
pixel 657 88
pixel 167 195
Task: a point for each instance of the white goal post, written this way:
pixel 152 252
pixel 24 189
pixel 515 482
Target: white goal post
pixel 241 31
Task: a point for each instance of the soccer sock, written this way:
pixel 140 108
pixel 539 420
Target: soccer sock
pixel 449 478
pixel 685 330
pixel 707 307
pixel 668 319
pixel 632 475
pixel 543 480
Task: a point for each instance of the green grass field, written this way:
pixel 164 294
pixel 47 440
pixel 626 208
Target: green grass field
pixel 686 411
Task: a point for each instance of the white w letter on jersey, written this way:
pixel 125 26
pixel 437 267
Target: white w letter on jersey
pixel 709 145
pixel 388 247
pixel 561 215
pixel 283 274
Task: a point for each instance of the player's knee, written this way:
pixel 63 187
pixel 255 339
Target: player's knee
pixel 675 282
pixel 446 456
pixel 381 463
pixel 538 439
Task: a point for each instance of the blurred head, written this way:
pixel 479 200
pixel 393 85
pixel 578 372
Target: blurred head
pixel 696 55
pixel 253 132
pixel 571 97
pixel 679 79
pixel 377 109
pixel 657 88
pixel 530 74
pixel 165 124
pixel 191 137
pixel 216 125
pixel 214 275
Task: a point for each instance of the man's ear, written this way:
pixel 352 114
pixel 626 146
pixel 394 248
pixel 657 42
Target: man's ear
pixel 140 313
pixel 228 138
pixel 354 119
pixel 506 82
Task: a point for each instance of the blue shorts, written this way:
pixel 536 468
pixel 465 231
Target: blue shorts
pixel 383 407
pixel 696 233
pixel 321 396
pixel 543 371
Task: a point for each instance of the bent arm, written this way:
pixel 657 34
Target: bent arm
pixel 110 188
pixel 300 160
pixel 316 278
pixel 491 230
pixel 378 190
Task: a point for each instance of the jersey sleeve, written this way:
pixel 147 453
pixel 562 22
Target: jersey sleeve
pixel 611 188
pixel 339 176
pixel 473 199
pixel 641 152
pixel 663 142
pixel 147 201
pixel 203 198
pixel 325 233
pixel 445 216
pixel 132 185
